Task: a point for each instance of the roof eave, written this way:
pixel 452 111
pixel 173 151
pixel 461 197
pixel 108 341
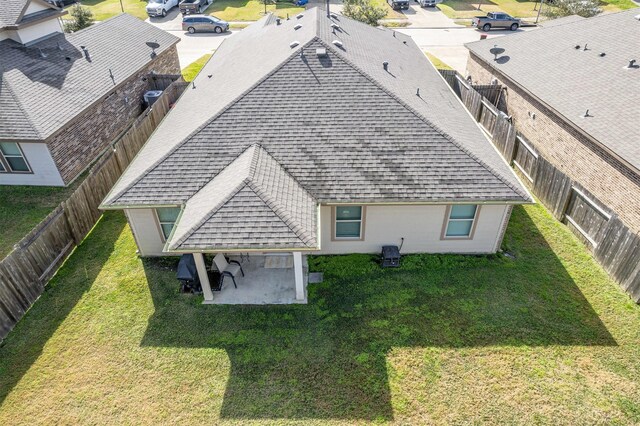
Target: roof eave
pixel 555 111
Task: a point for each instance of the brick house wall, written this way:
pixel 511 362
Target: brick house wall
pixel 609 180
pixel 75 147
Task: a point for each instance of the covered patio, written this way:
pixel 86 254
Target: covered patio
pixel 271 279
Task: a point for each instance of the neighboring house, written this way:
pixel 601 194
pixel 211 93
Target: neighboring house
pixel 320 135
pixel 571 90
pixel 65 97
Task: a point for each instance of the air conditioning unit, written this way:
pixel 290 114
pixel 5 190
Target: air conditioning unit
pixel 150 96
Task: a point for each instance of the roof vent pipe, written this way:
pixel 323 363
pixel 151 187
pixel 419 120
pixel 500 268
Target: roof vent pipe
pixel 86 53
pixel 632 64
pixel 385 65
pixel 337 43
pixel 277 21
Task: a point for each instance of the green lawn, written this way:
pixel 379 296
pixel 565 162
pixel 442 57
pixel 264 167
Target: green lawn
pixel 543 338
pixel 461 9
pixel 437 62
pixel 104 9
pixel 191 71
pixel 250 10
pixel 23 207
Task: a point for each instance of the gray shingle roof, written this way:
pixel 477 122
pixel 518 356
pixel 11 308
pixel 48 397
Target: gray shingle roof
pixel 50 91
pixel 546 63
pixel 251 204
pixel 344 128
pixel 10 12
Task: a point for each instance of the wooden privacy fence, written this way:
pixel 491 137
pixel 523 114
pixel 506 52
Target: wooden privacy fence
pixel 613 244
pixel 36 258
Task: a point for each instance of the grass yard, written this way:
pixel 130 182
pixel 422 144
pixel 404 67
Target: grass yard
pixel 543 338
pixel 464 9
pixel 250 10
pixel 437 62
pixel 104 9
pixel 191 71
pixel 23 207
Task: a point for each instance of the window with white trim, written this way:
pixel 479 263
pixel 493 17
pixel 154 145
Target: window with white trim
pixel 167 217
pixel 12 159
pixel 348 223
pixel 461 220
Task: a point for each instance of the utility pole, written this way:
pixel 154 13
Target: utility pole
pixel 328 13
pixel 539 10
pixel 121 6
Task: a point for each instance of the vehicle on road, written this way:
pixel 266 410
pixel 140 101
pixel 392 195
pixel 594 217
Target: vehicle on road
pixel 202 23
pixel 191 7
pixel 496 20
pixel 399 4
pixel 160 7
pixel 62 3
pixel 427 3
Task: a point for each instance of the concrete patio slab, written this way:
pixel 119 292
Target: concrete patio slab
pixel 260 285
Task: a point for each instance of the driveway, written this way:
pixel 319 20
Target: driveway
pixel 430 17
pixel 430 29
pixel 191 46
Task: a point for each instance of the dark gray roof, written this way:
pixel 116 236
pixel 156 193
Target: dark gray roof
pixel 344 128
pixel 41 94
pixel 546 63
pixel 253 203
pixel 12 12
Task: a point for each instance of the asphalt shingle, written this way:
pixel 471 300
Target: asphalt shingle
pixel 572 80
pixel 51 81
pixel 343 127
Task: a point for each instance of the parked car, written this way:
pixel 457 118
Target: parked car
pixel 427 3
pixel 203 23
pixel 62 3
pixel 496 20
pixel 160 7
pixel 190 7
pixel 398 4
pixel 301 2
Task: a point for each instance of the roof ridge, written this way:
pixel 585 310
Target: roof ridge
pixel 209 121
pixel 280 211
pixel 424 119
pixel 19 104
pixel 290 221
pixel 232 193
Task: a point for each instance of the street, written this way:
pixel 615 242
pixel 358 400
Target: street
pixel 432 31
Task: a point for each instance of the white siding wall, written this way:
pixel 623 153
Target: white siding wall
pixel 34 32
pixel 36 6
pixel 44 169
pixel 145 231
pixel 421 227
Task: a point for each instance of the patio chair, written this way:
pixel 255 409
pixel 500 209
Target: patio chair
pixel 227 269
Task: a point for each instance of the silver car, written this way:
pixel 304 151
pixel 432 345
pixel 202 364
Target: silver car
pixel 202 23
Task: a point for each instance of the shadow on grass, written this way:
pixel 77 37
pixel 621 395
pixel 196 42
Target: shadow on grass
pixel 24 344
pixel 327 359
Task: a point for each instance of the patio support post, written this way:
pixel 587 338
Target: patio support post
pixel 297 269
pixel 204 278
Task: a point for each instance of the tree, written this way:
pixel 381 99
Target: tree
pixel 584 8
pixel 81 17
pixel 364 11
pixel 266 2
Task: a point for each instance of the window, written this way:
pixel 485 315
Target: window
pixel 12 158
pixel 348 223
pixel 460 221
pixel 167 217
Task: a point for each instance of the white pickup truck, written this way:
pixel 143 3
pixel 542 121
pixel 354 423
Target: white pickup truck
pixel 160 7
